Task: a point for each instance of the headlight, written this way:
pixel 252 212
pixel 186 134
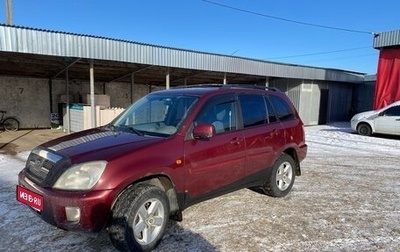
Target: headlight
pixel 81 176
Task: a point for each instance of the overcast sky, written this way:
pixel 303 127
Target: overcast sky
pixel 322 33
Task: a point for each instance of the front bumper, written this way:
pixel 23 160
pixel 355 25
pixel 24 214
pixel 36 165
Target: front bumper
pixel 353 124
pixel 94 206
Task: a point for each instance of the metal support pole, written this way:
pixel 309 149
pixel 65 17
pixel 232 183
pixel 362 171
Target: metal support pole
pixel 167 84
pixel 9 12
pixel 67 112
pixel 267 81
pixel 132 86
pixel 92 100
pixel 225 79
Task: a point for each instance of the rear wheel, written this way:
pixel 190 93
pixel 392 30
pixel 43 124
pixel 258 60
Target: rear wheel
pixel 364 129
pixel 281 177
pixel 139 218
pixel 11 124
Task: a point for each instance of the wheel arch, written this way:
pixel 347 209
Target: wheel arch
pixel 164 183
pixel 369 124
pixel 293 154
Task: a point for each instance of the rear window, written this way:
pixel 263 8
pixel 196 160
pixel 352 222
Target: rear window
pixel 282 109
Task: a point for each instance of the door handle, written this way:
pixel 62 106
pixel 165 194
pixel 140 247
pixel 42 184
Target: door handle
pixel 236 140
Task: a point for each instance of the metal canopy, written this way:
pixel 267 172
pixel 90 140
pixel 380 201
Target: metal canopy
pixel 42 66
pixel 42 53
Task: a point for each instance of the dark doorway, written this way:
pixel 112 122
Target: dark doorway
pixel 323 106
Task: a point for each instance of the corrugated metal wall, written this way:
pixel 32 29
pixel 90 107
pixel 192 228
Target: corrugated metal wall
pixel 340 102
pixel 307 96
pixel 302 97
pixel 34 41
pixel 363 97
pixel 310 102
pixel 387 39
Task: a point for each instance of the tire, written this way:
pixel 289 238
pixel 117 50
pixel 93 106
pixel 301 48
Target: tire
pixel 364 129
pixel 11 124
pixel 139 218
pixel 280 177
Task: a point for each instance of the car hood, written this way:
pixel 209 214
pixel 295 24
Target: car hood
pixel 98 144
pixel 365 115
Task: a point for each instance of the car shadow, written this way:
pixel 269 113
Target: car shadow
pixel 8 149
pixel 393 137
pixel 178 238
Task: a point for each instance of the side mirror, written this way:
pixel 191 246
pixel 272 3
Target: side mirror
pixel 203 131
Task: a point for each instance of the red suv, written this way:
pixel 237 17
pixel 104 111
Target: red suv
pixel 170 150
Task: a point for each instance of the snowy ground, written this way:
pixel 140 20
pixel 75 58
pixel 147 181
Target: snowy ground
pixel 347 199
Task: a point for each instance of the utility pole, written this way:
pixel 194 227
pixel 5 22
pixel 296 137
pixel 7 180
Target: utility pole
pixel 9 12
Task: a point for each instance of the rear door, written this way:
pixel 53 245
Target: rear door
pixel 263 133
pixel 216 163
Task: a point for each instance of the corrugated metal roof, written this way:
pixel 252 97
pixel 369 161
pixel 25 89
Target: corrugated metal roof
pixel 53 43
pixel 387 39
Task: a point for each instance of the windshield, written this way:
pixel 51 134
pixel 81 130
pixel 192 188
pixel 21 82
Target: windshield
pixel 156 114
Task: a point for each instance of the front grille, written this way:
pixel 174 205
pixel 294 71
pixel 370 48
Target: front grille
pixel 39 166
pixel 40 163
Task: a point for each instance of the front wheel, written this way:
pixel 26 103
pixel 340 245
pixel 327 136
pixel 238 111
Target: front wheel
pixel 11 124
pixel 280 177
pixel 139 218
pixel 364 129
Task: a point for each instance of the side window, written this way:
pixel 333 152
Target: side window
pixel 221 115
pixel 178 109
pixel 253 109
pixel 282 109
pixel 393 111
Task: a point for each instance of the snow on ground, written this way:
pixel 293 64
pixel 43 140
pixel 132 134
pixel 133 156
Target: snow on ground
pixel 347 199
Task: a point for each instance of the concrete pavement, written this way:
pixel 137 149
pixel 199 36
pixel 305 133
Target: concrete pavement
pixel 12 143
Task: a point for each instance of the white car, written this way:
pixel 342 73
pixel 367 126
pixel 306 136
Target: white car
pixel 382 121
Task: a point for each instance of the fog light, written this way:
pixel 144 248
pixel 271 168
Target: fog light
pixel 73 214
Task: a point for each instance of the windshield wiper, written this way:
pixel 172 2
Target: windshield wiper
pixel 129 129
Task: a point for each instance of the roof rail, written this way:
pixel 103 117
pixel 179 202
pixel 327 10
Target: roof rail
pixel 228 86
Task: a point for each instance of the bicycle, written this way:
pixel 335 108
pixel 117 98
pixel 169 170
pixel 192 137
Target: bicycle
pixel 9 123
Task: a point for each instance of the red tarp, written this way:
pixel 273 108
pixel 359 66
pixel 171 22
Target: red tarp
pixel 387 88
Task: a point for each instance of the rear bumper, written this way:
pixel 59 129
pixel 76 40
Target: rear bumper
pixel 94 206
pixel 302 152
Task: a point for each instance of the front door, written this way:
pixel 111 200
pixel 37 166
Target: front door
pixel 217 162
pixel 388 122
